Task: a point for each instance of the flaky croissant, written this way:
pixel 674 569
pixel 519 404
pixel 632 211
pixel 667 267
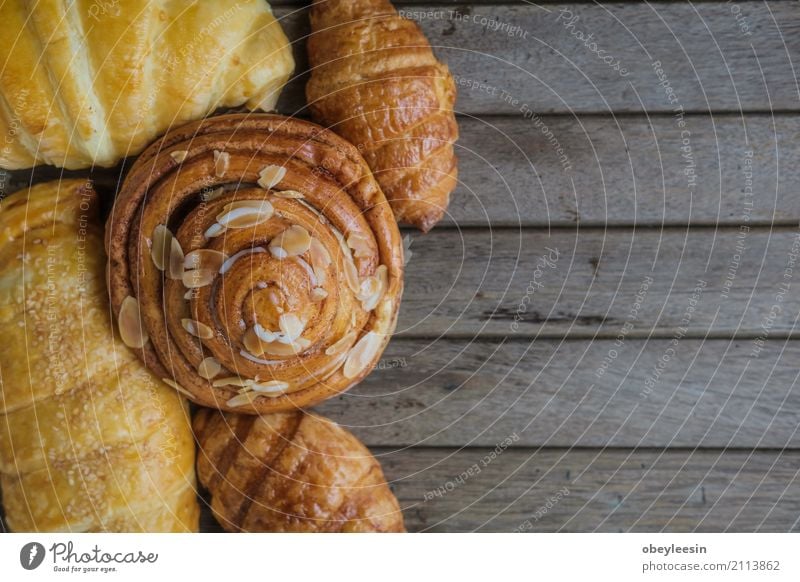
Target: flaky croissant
pixel 375 81
pixel 88 83
pixel 291 472
pixel 89 439
pixel 262 259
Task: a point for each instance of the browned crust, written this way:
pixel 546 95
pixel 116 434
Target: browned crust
pixel 291 472
pixel 376 81
pixel 320 164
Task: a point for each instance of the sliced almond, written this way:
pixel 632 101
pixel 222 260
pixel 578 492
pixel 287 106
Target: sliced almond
pixel 289 194
pixel 162 243
pixel 240 400
pixel 374 287
pixel 274 298
pixel 179 156
pixel 252 343
pixel 291 326
pixel 271 176
pixel 197 329
pixel 225 267
pixel 131 328
pixel 281 349
pixel 232 381
pixel 190 294
pixel 176 386
pixel 175 270
pixel 245 214
pixel 265 335
pixel 221 162
pixel 361 355
pixel 197 278
pixel 271 387
pixel 318 294
pixel 293 241
pixel 351 276
pixel 204 259
pixel 359 242
pixel 209 368
pixel 278 252
pixel 214 231
pixel 320 259
pixel 342 344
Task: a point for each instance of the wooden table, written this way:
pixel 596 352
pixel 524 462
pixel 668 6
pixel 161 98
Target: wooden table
pixel 600 335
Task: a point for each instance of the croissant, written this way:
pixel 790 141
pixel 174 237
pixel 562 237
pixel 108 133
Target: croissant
pixel 260 257
pixel 89 440
pixel 376 82
pixel 88 83
pixel 291 472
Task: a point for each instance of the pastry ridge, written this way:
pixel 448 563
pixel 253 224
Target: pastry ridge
pixel 89 439
pixel 321 190
pixel 88 83
pixel 376 81
pixel 291 472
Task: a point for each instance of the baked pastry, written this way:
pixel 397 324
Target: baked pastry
pixel 89 83
pixel 89 439
pixel 375 80
pixel 263 258
pixel 291 472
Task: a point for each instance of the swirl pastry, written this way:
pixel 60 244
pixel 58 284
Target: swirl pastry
pixel 89 439
pixel 291 472
pixel 375 81
pixel 262 258
pixel 88 83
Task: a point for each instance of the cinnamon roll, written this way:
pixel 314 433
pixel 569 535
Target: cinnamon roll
pixel 254 263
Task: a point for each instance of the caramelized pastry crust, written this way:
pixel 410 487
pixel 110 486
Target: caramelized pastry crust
pixel 262 258
pixel 375 81
pixel 89 439
pixel 89 83
pixel 291 472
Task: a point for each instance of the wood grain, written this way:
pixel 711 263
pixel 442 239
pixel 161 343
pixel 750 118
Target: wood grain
pixel 553 393
pixel 710 63
pixel 627 170
pixel 608 490
pixel 623 171
pixel 481 282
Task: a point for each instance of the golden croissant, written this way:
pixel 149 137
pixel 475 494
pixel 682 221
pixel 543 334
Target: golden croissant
pixel 89 439
pixel 291 472
pixel 375 80
pixel 254 263
pixel 88 83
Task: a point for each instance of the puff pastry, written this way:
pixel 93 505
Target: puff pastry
pixel 262 258
pixel 376 81
pixel 87 83
pixel 291 472
pixel 89 439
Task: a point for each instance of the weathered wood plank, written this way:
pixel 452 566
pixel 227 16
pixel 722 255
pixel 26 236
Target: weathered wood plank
pixel 622 171
pixel 627 170
pixel 518 58
pixel 507 283
pixel 551 393
pixel 577 490
pixel 591 490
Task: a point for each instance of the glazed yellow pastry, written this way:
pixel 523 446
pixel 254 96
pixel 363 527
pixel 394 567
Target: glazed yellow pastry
pixel 89 439
pixel 90 82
